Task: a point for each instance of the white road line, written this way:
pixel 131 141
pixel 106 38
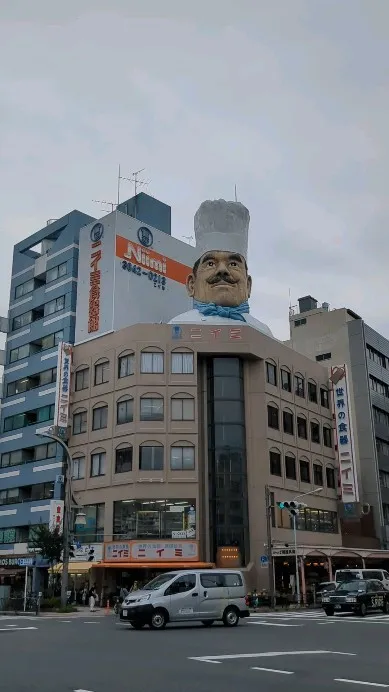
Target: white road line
pixel 273 670
pixel 361 682
pixel 64 620
pixel 17 629
pixel 272 624
pixel 91 622
pixel 11 625
pixel 267 654
pixel 82 690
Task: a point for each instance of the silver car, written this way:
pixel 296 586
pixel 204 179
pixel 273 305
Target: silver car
pixel 190 595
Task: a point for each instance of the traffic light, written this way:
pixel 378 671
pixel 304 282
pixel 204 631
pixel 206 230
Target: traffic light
pixel 293 507
pixel 91 554
pixel 72 548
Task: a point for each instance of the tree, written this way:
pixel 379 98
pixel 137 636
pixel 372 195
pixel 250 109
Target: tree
pixel 49 542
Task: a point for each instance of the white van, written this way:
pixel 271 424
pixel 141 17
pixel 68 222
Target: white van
pixel 190 595
pixel 351 574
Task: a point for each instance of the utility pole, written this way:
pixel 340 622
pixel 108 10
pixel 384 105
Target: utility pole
pixel 269 546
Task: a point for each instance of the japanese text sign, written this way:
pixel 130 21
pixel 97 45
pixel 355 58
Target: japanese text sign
pixel 348 481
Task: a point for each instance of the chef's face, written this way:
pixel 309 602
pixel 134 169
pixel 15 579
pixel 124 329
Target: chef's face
pixel 221 278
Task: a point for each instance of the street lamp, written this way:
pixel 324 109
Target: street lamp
pixel 80 520
pixel 293 508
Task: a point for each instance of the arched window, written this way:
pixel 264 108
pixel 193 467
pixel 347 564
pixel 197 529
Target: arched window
pixel 183 406
pixel 151 407
pixel 98 461
pixel 302 429
pixel 318 474
pixel 273 416
pixel 327 436
pixel 123 458
pixel 312 391
pixel 271 372
pixel 330 477
pixel 315 431
pixel 80 421
pixel 182 456
pixel 124 410
pixel 101 371
pixel 299 385
pixel 182 362
pixel 305 470
pixel 100 416
pixel 151 456
pixel 151 360
pixel 81 378
pixel 324 397
pixel 78 466
pixel 290 466
pixel 286 379
pixel 275 462
pixel 288 421
pixel 126 364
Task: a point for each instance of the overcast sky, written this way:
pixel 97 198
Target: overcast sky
pixel 289 99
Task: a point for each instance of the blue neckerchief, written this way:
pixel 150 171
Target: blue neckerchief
pixel 234 313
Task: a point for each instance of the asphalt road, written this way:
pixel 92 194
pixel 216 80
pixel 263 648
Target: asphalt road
pixel 272 652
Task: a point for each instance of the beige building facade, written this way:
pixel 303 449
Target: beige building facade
pixel 176 432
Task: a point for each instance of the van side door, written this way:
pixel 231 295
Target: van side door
pixel 213 595
pixel 183 594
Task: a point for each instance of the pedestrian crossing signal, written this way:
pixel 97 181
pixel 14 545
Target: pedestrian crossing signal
pixel 91 555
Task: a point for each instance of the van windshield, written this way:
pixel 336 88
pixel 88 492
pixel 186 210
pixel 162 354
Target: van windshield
pixel 158 582
pixel 346 575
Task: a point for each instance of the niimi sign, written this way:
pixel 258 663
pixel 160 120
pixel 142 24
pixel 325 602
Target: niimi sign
pixel 96 235
pixel 345 442
pixel 62 399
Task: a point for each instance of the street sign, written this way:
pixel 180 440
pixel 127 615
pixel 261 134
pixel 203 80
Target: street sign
pixel 264 561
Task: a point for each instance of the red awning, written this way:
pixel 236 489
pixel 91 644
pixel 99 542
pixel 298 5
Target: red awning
pixel 156 565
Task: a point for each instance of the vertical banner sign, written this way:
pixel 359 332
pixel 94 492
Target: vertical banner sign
pixel 96 235
pixel 62 399
pixel 56 515
pixel 345 442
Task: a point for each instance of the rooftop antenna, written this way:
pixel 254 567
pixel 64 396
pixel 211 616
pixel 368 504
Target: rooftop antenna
pixel 236 196
pixel 104 201
pixel 189 238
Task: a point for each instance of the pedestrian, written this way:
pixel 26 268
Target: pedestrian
pixel 92 599
pixel 84 595
pixel 254 599
pixel 135 586
pixel 123 593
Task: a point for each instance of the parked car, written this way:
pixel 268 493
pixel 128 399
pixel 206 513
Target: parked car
pixel 324 587
pixel 351 574
pixel 358 596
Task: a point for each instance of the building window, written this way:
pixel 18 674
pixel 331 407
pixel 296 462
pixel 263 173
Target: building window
pixel 183 409
pixel 102 373
pixel 151 409
pixel 123 460
pixel 271 374
pixel 318 475
pixel 381 416
pixel 56 272
pixel 78 468
pixel 305 475
pixel 382 447
pixel 300 322
pixel 52 340
pixel 93 531
pixel 330 477
pixel 22 320
pixel 378 386
pixel 312 392
pixel 151 458
pixel 288 422
pixel 318 520
pixel 323 356
pixel 10 496
pixel 302 428
pixel 151 362
pixel 272 417
pixel 126 365
pixel 19 353
pixel 97 466
pixel 324 398
pixel 80 422
pixel 25 384
pixel 275 464
pixel 377 357
pixel 290 467
pixel 12 459
pixel 286 380
pixel 327 436
pixel 100 418
pixel 124 411
pixel 82 379
pixel 46 451
pixel 182 363
pixel 153 519
pixel 182 458
pixel 54 306
pixel 315 433
pixel 299 385
pixel 25 288
pixel 21 420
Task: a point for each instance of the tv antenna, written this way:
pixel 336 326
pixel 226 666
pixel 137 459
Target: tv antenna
pixel 104 201
pixel 189 238
pixel 236 194
pixel 134 179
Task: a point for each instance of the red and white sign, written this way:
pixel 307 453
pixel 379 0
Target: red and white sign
pixel 348 480
pixel 151 551
pixel 56 515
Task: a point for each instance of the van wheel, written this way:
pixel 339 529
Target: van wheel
pixel 386 607
pixel 329 611
pixel 158 620
pixel 137 625
pixel 207 623
pixel 362 610
pixel 230 617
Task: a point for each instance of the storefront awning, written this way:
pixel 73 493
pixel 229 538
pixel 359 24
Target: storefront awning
pixel 11 572
pixel 156 565
pixel 77 567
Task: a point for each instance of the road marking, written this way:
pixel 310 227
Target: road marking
pixel 11 625
pixel 91 622
pixel 64 620
pixel 82 690
pixel 266 654
pixel 273 624
pixel 17 629
pixel 273 670
pixel 361 682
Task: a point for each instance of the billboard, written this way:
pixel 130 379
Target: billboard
pixel 152 551
pixel 62 396
pixel 129 273
pixel 348 481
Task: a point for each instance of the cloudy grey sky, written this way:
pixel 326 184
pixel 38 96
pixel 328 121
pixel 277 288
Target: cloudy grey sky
pixel 288 99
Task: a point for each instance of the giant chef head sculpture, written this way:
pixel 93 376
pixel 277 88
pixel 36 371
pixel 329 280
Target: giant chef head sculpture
pixel 219 283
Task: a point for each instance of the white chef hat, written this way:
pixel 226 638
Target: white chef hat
pixel 221 225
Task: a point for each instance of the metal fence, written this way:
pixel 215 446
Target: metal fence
pixel 15 604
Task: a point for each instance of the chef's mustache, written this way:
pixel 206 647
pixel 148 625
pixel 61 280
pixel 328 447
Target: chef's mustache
pixel 221 276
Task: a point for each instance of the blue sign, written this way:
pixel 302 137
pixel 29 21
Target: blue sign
pixel 176 332
pixel 97 232
pixel 145 236
pixel 264 561
pixel 25 561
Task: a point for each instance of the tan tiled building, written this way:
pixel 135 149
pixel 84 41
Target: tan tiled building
pixel 178 429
